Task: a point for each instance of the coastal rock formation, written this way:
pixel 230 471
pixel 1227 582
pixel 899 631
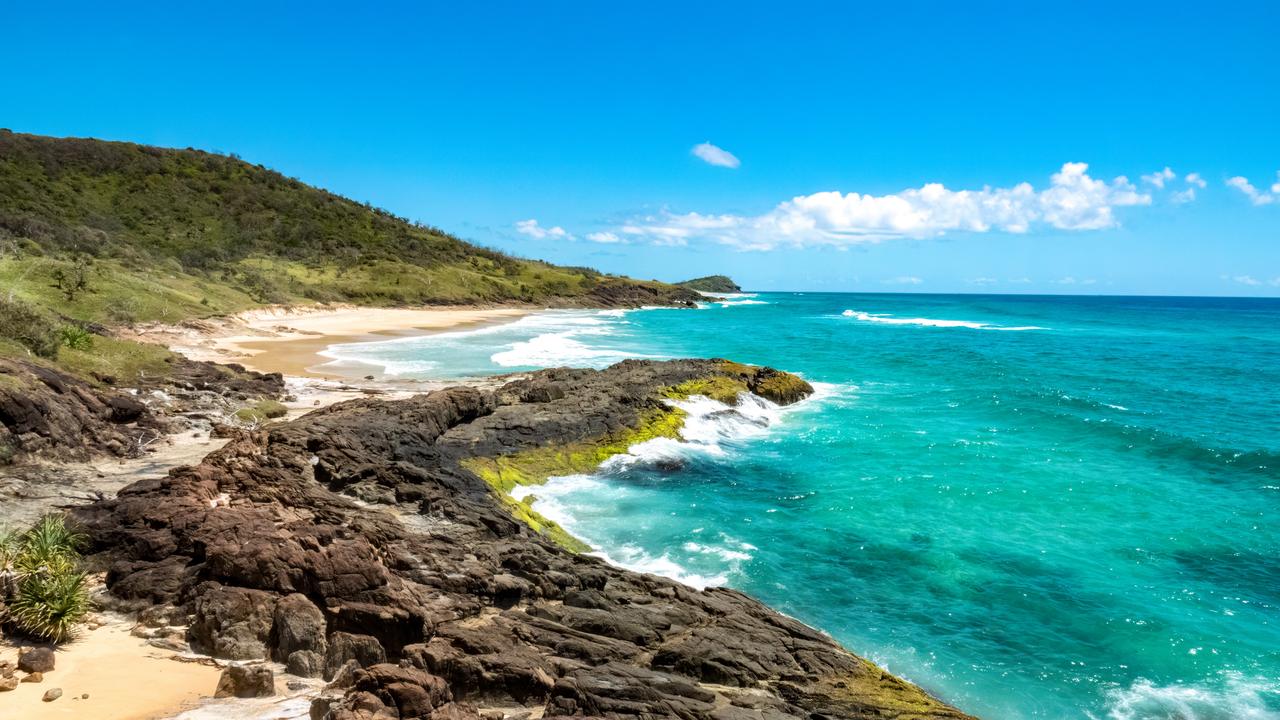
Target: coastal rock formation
pixel 54 415
pixel 359 543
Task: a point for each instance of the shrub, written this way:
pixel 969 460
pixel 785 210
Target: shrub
pixel 46 592
pixel 29 326
pixel 76 337
pixel 51 604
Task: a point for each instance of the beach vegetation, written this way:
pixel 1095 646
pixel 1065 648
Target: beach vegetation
pixel 76 337
pixel 44 590
pixel 31 328
pixel 261 412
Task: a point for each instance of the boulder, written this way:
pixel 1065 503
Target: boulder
pixel 51 695
pixel 305 663
pixel 34 678
pixel 36 660
pixel 343 647
pixel 298 626
pixel 8 683
pixel 232 623
pixel 246 681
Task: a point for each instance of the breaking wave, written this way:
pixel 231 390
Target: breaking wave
pixel 886 319
pixel 1234 698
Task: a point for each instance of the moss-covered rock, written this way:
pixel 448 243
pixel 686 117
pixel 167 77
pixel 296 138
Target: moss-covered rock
pixel 261 412
pixel 720 380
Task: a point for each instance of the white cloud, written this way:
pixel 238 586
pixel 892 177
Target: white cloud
pixel 1071 280
pixel 1160 178
pixel 604 237
pixel 983 281
pixel 1195 179
pixel 1256 196
pixel 1073 201
pixel 903 280
pixel 533 229
pixel 1021 280
pixel 713 155
pixel 1247 280
pixel 1183 197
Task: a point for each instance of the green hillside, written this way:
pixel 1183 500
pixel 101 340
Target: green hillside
pixel 712 284
pixel 114 232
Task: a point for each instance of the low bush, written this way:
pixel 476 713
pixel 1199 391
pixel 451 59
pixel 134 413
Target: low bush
pixel 30 326
pixel 76 337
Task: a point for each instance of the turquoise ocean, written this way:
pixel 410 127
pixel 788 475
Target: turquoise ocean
pixel 1035 507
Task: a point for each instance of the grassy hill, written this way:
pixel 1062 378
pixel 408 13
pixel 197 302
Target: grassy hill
pixel 97 234
pixel 712 284
pixel 115 232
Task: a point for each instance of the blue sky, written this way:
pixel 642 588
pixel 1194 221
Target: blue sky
pixel 854 130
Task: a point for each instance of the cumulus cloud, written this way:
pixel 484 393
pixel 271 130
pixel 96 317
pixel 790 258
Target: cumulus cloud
pixel 1256 196
pixel 531 228
pixel 1072 201
pixel 1195 179
pixel 713 155
pixel 1160 178
pixel 605 237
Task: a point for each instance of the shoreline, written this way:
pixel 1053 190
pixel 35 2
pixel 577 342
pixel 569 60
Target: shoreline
pixel 289 340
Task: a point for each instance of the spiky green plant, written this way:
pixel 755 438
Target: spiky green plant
pixel 40 577
pixel 50 604
pixel 47 542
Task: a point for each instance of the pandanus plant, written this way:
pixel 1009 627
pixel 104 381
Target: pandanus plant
pixel 40 579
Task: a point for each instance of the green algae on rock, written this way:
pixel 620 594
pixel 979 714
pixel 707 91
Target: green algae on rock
pixel 720 380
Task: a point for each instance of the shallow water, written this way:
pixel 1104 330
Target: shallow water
pixel 1036 507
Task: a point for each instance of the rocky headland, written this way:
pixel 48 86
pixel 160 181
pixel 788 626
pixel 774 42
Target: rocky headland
pixel 371 543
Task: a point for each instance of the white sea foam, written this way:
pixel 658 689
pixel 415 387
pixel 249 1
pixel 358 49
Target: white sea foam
pixel 556 349
pixel 708 424
pixel 1235 697
pixel 887 319
pixel 711 428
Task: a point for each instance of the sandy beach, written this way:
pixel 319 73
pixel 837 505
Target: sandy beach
pixel 290 340
pixel 124 678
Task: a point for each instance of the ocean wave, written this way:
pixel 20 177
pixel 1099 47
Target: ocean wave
pixel 557 349
pixel 887 319
pixel 708 424
pixel 710 428
pixel 1234 697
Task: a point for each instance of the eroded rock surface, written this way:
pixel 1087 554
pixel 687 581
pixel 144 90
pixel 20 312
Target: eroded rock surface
pixel 437 603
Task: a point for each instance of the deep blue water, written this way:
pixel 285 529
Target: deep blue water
pixel 1036 507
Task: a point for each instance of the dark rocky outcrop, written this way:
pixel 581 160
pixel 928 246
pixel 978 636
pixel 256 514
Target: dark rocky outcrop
pixel 54 415
pixel 440 602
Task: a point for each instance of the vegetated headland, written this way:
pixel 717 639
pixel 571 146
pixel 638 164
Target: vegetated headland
pixel 364 557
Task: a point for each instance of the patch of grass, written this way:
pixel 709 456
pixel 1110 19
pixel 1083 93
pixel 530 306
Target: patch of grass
pixel 261 412
pixel 122 294
pixel 40 580
pixel 30 327
pixel 124 360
